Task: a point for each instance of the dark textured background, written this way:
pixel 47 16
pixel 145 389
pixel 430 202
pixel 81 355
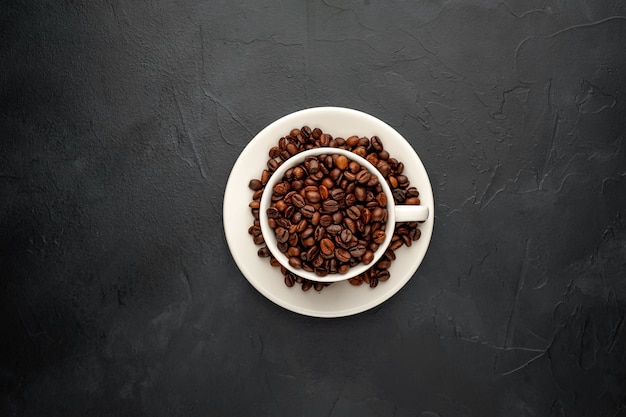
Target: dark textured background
pixel 120 122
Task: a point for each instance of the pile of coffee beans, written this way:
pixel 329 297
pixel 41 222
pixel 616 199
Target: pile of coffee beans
pixel 305 235
pixel 328 213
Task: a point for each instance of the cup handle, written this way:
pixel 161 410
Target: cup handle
pixel 408 213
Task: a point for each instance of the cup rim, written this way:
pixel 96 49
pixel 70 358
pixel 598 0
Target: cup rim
pixel 269 235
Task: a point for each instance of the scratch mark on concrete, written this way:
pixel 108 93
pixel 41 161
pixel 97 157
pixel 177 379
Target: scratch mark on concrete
pixel 524 365
pixel 520 285
pixel 191 139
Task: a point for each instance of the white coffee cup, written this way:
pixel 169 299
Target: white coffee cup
pixel 395 213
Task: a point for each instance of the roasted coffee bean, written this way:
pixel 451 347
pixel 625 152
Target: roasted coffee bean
pixel 295 262
pixel 379 236
pixel 338 194
pixel 282 188
pixel 326 220
pixel 383 275
pixel 307 285
pixel 274 152
pixel 323 191
pixel 363 176
pixel 366 215
pixel 291 148
pixel 280 205
pixel 412 201
pixel 334 229
pixel 315 219
pixel 412 192
pixel 298 201
pixel 282 234
pixel 257 195
pixel 356 281
pixel 383 167
pixel 319 233
pixel 307 211
pixel 357 251
pixel 307 232
pixel 398 196
pixel 348 176
pixel 349 223
pixel 327 247
pixel 254 230
pixel 272 213
pixel 394 245
pixel 255 185
pixel 378 214
pixel 273 164
pixel 312 253
pixel 313 166
pixel 353 212
pixel 324 140
pixel 376 143
pixel 290 280
pixel 360 194
pixel 313 196
pixel 301 226
pixel 346 235
pixel 337 217
pixel 332 266
pixel 352 141
pixel 263 252
pixel 366 276
pixel 318 261
pixel 289 212
pixel 383 264
pixel 372 158
pixel 293 251
pixel 341 162
pixel 360 151
pixel 283 222
pixel 342 255
pixel 330 206
pixel 367 257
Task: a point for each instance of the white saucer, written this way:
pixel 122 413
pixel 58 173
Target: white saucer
pixel 339 299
